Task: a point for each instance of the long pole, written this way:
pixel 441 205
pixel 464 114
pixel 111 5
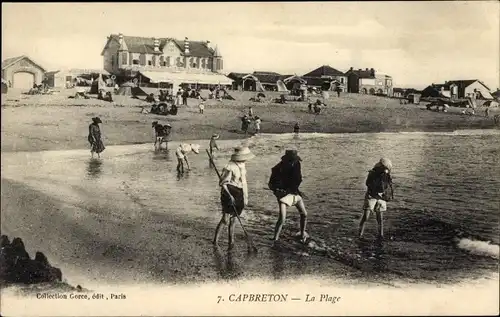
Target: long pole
pixel 249 239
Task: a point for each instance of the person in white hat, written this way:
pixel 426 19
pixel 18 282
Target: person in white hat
pixel 181 153
pixel 379 191
pixel 234 191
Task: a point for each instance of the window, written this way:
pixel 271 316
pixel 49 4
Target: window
pixel 150 63
pixel 341 80
pixel 168 64
pixel 203 63
pixel 124 58
pixel 142 59
pixel 135 62
pixel 191 62
pixel 162 61
pixel 69 78
pixel 178 62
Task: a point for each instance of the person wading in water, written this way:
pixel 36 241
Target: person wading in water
pixel 234 191
pixel 181 152
pixel 285 180
pixel 379 191
pixel 94 138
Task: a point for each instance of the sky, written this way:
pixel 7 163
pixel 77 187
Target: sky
pixel 417 43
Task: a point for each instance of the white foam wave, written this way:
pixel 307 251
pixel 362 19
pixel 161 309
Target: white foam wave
pixel 482 248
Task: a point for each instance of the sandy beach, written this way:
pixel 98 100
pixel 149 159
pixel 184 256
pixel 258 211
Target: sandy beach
pixel 34 123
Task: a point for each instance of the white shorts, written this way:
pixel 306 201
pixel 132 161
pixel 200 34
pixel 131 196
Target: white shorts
pixel 291 200
pixel 372 203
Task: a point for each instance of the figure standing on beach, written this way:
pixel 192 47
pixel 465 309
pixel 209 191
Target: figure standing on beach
pixel 234 191
pixel 257 123
pixel 250 112
pixel 296 128
pixel 213 145
pixel 181 152
pixel 202 107
pixel 245 122
pixel 379 191
pixel 285 180
pixel 94 138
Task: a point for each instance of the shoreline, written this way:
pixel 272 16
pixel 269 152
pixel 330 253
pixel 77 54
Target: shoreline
pixel 488 131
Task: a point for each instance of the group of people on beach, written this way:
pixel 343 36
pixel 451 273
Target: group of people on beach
pixel 248 119
pixel 284 182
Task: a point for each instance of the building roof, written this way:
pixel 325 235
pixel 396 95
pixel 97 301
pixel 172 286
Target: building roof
pixel 267 77
pixel 236 76
pixel 462 84
pixel 366 73
pixel 324 70
pixel 10 61
pixel 139 44
pixel 170 77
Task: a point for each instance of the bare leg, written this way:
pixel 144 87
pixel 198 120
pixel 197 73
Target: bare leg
pixel 91 154
pixel 222 222
pixel 99 155
pixel 366 216
pixel 280 222
pixel 232 224
pixel 303 218
pixel 380 222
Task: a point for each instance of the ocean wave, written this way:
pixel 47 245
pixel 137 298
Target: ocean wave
pixel 481 248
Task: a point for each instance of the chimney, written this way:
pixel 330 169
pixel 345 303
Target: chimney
pixel 186 46
pixel 366 69
pixel 156 44
pixel 372 71
pixel 120 38
pixel 351 68
pixel 208 43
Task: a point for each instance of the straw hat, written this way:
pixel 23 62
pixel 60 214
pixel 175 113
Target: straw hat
pixel 291 156
pixel 241 154
pixel 97 120
pixel 385 162
pixel 195 148
pixel 215 136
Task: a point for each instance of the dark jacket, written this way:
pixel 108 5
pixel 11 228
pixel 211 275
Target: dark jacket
pixel 286 177
pixel 379 182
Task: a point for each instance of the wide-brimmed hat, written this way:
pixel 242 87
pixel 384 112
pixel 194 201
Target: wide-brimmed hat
pixel 195 148
pixel 97 120
pixel 241 154
pixel 215 136
pixel 384 162
pixel 291 155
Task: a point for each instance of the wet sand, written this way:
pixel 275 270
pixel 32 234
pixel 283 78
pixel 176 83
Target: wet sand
pixel 152 247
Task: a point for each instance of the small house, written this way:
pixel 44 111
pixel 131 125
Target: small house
pixel 22 72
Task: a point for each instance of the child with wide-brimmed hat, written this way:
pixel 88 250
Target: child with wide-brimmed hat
pixel 285 180
pixel 234 191
pixel 379 191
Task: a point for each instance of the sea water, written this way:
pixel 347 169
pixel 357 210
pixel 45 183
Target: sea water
pixel 444 220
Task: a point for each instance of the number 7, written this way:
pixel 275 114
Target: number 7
pixel 220 297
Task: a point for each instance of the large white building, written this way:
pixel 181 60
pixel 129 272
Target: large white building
pixel 164 60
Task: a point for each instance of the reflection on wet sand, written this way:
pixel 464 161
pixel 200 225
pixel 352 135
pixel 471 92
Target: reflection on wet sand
pixel 94 168
pixel 226 267
pixel 278 264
